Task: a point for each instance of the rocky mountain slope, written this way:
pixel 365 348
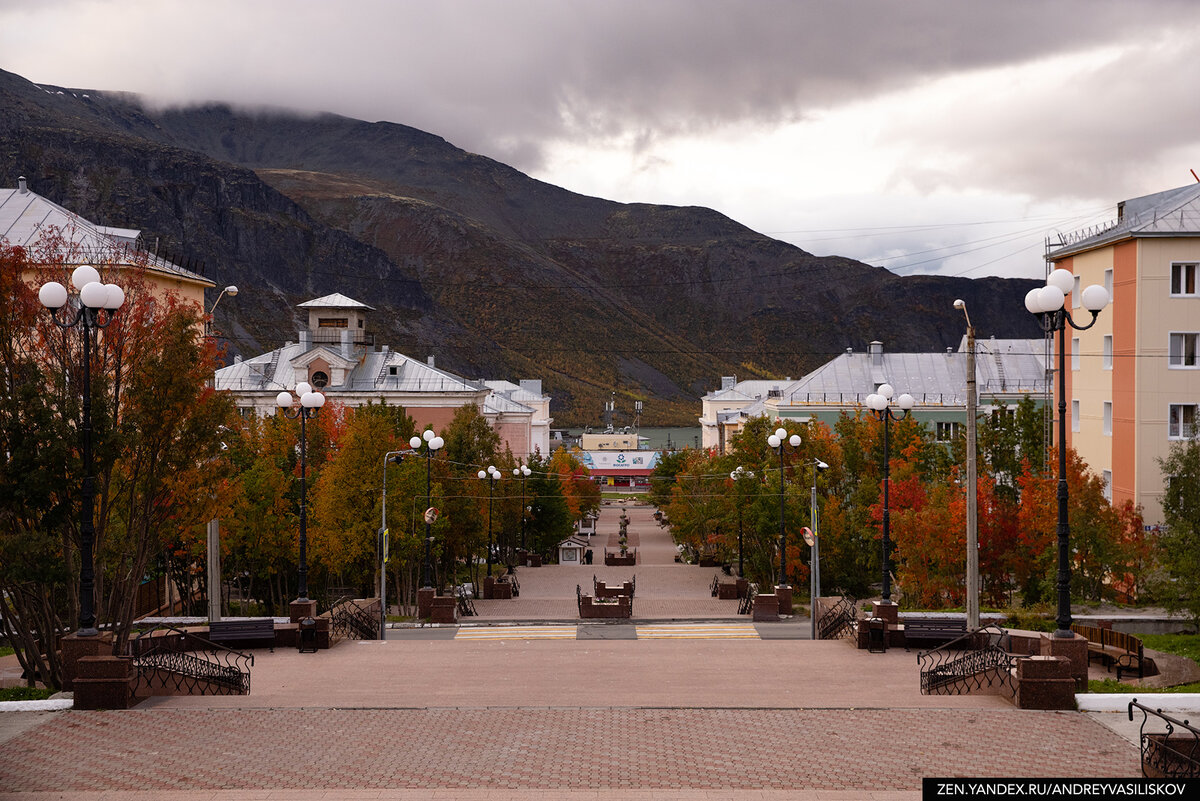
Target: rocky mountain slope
pixel 495 273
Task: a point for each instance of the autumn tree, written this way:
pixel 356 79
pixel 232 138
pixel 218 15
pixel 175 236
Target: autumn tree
pixel 1179 545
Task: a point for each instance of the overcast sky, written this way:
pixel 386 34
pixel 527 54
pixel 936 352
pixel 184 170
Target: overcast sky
pixel 923 136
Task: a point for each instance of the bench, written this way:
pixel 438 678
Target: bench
pixel 1113 648
pixel 939 629
pixel 257 629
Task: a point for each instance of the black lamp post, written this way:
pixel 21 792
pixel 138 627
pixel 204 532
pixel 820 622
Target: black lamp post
pixel 1050 303
pixel 735 475
pixel 433 443
pixel 776 441
pixel 880 403
pixel 490 475
pixel 523 472
pixel 94 298
pixel 310 403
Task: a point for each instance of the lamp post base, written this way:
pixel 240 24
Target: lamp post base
pixel 784 593
pixel 425 597
pixel 888 610
pixel 301 608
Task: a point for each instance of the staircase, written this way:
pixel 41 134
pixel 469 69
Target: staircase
pixel 171 661
pixel 978 662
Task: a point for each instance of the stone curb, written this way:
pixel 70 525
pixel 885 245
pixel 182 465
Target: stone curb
pixel 1119 702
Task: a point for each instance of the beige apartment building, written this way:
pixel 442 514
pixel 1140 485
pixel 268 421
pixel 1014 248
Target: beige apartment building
pixel 1133 379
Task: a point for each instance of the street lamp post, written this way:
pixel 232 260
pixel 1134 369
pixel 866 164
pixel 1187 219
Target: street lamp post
pixel 393 457
pixel 776 441
pixel 972 488
pixel 231 291
pixel 97 308
pixel 490 475
pixel 523 472
pixel 1049 302
pixel 880 404
pixel 433 443
pixel 815 577
pixel 310 403
pixel 735 476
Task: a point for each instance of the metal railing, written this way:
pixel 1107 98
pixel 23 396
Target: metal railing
pixel 977 660
pixel 349 620
pixel 188 664
pixel 466 606
pixel 838 620
pixel 1173 753
pixel 746 605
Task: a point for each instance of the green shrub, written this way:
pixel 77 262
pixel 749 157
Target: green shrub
pixel 1038 617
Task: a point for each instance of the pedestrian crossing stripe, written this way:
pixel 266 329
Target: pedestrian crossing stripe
pixel 699 631
pixel 516 633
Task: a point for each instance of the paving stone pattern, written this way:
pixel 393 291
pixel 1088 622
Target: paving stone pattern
pixel 166 749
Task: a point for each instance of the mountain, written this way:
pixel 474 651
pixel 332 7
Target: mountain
pixel 494 272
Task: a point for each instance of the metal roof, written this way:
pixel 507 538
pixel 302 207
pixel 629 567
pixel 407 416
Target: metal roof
pixel 335 301
pixel 26 217
pixel 1002 367
pixel 1175 212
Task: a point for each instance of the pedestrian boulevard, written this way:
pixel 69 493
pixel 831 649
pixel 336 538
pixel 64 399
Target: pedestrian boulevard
pixel 686 631
pixel 687 701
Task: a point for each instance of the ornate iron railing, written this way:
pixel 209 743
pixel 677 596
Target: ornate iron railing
pixel 187 664
pixel 1173 753
pixel 716 582
pixel 466 606
pixel 351 621
pixel 977 660
pixel 838 620
pixel 746 605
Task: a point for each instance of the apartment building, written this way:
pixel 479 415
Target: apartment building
pixel 1133 379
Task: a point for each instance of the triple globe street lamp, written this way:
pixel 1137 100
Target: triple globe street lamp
pixel 490 475
pixel 880 404
pixel 777 441
pixel 1049 304
pixel 735 475
pixel 310 404
pixel 523 472
pixel 95 308
pixel 433 443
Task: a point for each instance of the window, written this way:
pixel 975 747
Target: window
pixel 1183 279
pixel 1075 294
pixel 1075 353
pixel 1107 351
pixel 1108 282
pixel 947 432
pixel 1181 421
pixel 393 370
pixel 320 379
pixel 1182 350
pixel 1108 418
pixel 1074 415
pixel 332 322
pixel 1106 477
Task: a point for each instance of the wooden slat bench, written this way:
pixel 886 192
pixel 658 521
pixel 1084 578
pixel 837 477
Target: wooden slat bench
pixel 933 629
pixel 258 629
pixel 1113 648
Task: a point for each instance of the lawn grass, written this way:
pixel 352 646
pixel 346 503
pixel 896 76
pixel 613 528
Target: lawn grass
pixel 25 693
pixel 1185 645
pixel 6 650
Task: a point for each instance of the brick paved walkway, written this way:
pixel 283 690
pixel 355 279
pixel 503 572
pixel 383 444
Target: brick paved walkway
pixel 595 716
pixel 537 748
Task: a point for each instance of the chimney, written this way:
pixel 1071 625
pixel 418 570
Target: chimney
pixel 305 340
pixel 728 382
pixel 531 385
pixel 347 343
pixel 22 186
pixel 429 361
pixel 875 349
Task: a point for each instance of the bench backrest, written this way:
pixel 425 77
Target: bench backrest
pixel 1106 637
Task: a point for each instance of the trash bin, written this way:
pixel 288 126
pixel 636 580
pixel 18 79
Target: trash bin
pixel 876 635
pixel 308 636
pixel 587 556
